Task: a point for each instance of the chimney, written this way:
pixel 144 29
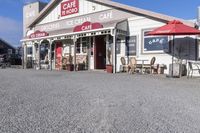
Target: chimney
pixel 30 12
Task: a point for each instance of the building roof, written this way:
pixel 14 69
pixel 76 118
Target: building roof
pixel 119 6
pixel 6 43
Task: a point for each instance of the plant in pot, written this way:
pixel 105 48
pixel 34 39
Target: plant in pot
pixel 109 66
pixel 70 66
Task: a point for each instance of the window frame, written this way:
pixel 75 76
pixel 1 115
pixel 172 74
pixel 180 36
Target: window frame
pixel 164 51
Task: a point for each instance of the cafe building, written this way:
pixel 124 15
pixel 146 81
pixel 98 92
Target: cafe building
pixel 93 34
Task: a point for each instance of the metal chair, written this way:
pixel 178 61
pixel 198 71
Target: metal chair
pixel 193 66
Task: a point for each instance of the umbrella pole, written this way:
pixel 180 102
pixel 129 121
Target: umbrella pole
pixel 173 56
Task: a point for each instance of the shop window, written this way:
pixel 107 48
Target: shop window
pixel 78 46
pixel 29 50
pixel 43 51
pixel 92 47
pixel 155 44
pixel 118 46
pixel 84 45
pixel 9 51
pixel 131 43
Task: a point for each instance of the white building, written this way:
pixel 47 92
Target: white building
pixel 88 30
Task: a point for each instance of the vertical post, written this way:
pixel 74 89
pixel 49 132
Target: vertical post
pixel 50 55
pixel 22 57
pixel 173 57
pixel 89 53
pixel 39 44
pixel 114 51
pixel 25 57
pixel 107 47
pixel 75 53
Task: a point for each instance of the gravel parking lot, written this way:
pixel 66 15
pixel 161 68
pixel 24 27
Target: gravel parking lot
pixel 95 102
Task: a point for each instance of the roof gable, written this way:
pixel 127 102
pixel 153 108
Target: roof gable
pixel 3 42
pixel 109 3
pixel 73 8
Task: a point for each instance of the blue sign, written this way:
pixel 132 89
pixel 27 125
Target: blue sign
pixel 156 43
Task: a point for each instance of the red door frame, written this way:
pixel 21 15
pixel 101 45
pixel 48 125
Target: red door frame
pixel 58 56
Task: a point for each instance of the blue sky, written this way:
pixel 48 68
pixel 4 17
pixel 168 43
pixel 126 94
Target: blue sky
pixel 11 13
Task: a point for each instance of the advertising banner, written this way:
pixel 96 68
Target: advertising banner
pixel 58 56
pixel 87 26
pixel 38 34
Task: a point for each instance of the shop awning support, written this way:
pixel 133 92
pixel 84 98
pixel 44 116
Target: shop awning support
pixel 75 39
pixel 50 55
pixel 114 51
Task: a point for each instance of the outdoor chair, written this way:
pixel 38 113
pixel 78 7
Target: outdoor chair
pixel 151 67
pixel 193 66
pixel 124 66
pixel 133 65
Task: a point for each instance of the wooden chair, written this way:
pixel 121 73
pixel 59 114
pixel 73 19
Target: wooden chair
pixel 132 65
pixel 150 67
pixel 125 67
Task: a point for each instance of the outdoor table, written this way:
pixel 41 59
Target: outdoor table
pixel 142 60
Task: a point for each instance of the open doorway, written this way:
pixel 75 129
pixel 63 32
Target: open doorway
pixel 100 52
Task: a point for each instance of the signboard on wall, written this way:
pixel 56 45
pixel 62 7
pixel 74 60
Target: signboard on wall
pixel 108 17
pixel 87 26
pixel 69 7
pixel 131 43
pixel 38 34
pixel 156 44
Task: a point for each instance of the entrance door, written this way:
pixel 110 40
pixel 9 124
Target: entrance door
pixel 100 52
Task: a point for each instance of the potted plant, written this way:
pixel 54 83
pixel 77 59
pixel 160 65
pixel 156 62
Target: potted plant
pixel 109 66
pixel 64 63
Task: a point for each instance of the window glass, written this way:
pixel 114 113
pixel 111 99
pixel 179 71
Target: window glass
pixel 29 50
pixel 118 46
pixel 131 43
pixel 84 45
pixel 78 46
pixel 9 51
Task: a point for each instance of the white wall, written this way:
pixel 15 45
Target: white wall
pixel 85 7
pixel 136 25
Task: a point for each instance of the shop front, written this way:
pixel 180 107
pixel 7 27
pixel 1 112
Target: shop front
pixel 79 35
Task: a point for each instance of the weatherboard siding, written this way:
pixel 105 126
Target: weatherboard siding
pixel 85 7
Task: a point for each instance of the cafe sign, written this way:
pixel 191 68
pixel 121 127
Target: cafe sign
pixel 38 34
pixel 69 7
pixel 87 26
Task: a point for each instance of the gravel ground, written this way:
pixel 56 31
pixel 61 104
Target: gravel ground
pixel 95 102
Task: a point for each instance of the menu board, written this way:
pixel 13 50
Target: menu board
pixel 131 43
